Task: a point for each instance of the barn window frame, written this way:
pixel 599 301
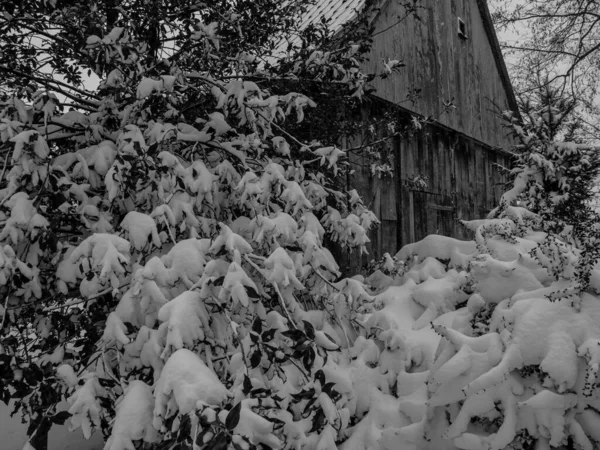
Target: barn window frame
pixel 462 28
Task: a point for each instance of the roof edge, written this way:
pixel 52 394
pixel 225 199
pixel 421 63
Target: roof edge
pixel 488 25
pixel 437 124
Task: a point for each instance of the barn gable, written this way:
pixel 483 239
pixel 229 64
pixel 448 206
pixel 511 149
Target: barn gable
pixel 463 68
pixel 449 55
pixel 452 55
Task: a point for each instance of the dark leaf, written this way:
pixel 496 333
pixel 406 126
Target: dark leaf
pixel 309 358
pixel 255 359
pixel 277 423
pixel 247 385
pixel 318 420
pixel 220 442
pixel 328 336
pixel 184 428
pixel 309 329
pixel 233 417
pixel 107 382
pixel 5 397
pixel 269 335
pixel 131 329
pixel 328 388
pixel 105 403
pixel 61 417
pixel 294 335
pixel 258 391
pixel 304 394
pixel 200 437
pixel 301 344
pixel 320 377
pixel 257 325
pixel 222 252
pixel 33 374
pixel 252 292
pixel 219 281
pixel 308 408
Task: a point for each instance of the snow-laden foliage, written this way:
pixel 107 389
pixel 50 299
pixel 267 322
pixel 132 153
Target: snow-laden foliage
pixel 516 363
pixel 555 174
pixel 163 266
pixel 500 334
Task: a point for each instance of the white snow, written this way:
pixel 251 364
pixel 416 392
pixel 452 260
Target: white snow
pixel 133 419
pixel 85 407
pixel 185 380
pixel 141 229
pixel 185 319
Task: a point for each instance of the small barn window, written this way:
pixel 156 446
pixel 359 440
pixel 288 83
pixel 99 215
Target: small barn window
pixel 462 29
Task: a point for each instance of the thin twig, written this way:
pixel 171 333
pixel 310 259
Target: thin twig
pixel 371 144
pixel 89 363
pixel 58 82
pixel 5 313
pixel 326 280
pixel 77 302
pixel 108 369
pixel 5 165
pixel 279 296
pixel 171 235
pixel 46 83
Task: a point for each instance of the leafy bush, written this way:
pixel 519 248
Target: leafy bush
pixel 162 264
pixel 163 268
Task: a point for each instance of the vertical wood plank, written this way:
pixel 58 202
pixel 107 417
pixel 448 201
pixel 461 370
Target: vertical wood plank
pixel 443 65
pixel 411 212
pixel 399 147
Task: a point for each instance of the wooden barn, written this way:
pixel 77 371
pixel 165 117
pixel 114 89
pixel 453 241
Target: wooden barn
pixel 452 55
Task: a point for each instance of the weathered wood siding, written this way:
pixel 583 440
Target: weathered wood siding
pixel 460 153
pixel 445 66
pixel 465 180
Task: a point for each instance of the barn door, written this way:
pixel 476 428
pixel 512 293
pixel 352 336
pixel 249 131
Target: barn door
pixel 431 213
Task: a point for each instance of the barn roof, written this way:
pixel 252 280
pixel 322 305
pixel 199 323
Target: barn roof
pixel 336 12
pixel 497 51
pixel 341 12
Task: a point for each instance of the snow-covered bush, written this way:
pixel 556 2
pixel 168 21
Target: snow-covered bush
pixel 555 172
pixel 515 367
pixel 162 258
pixel 501 333
pixel 163 267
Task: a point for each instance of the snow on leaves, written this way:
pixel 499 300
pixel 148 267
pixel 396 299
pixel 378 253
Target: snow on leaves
pixel 166 249
pixel 133 418
pixel 184 381
pixel 188 245
pixel 85 407
pixel 185 319
pixel 103 257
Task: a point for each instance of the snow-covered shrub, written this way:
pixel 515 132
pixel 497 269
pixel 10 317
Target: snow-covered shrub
pixel 516 311
pixel 507 356
pixel 163 267
pixel 555 173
